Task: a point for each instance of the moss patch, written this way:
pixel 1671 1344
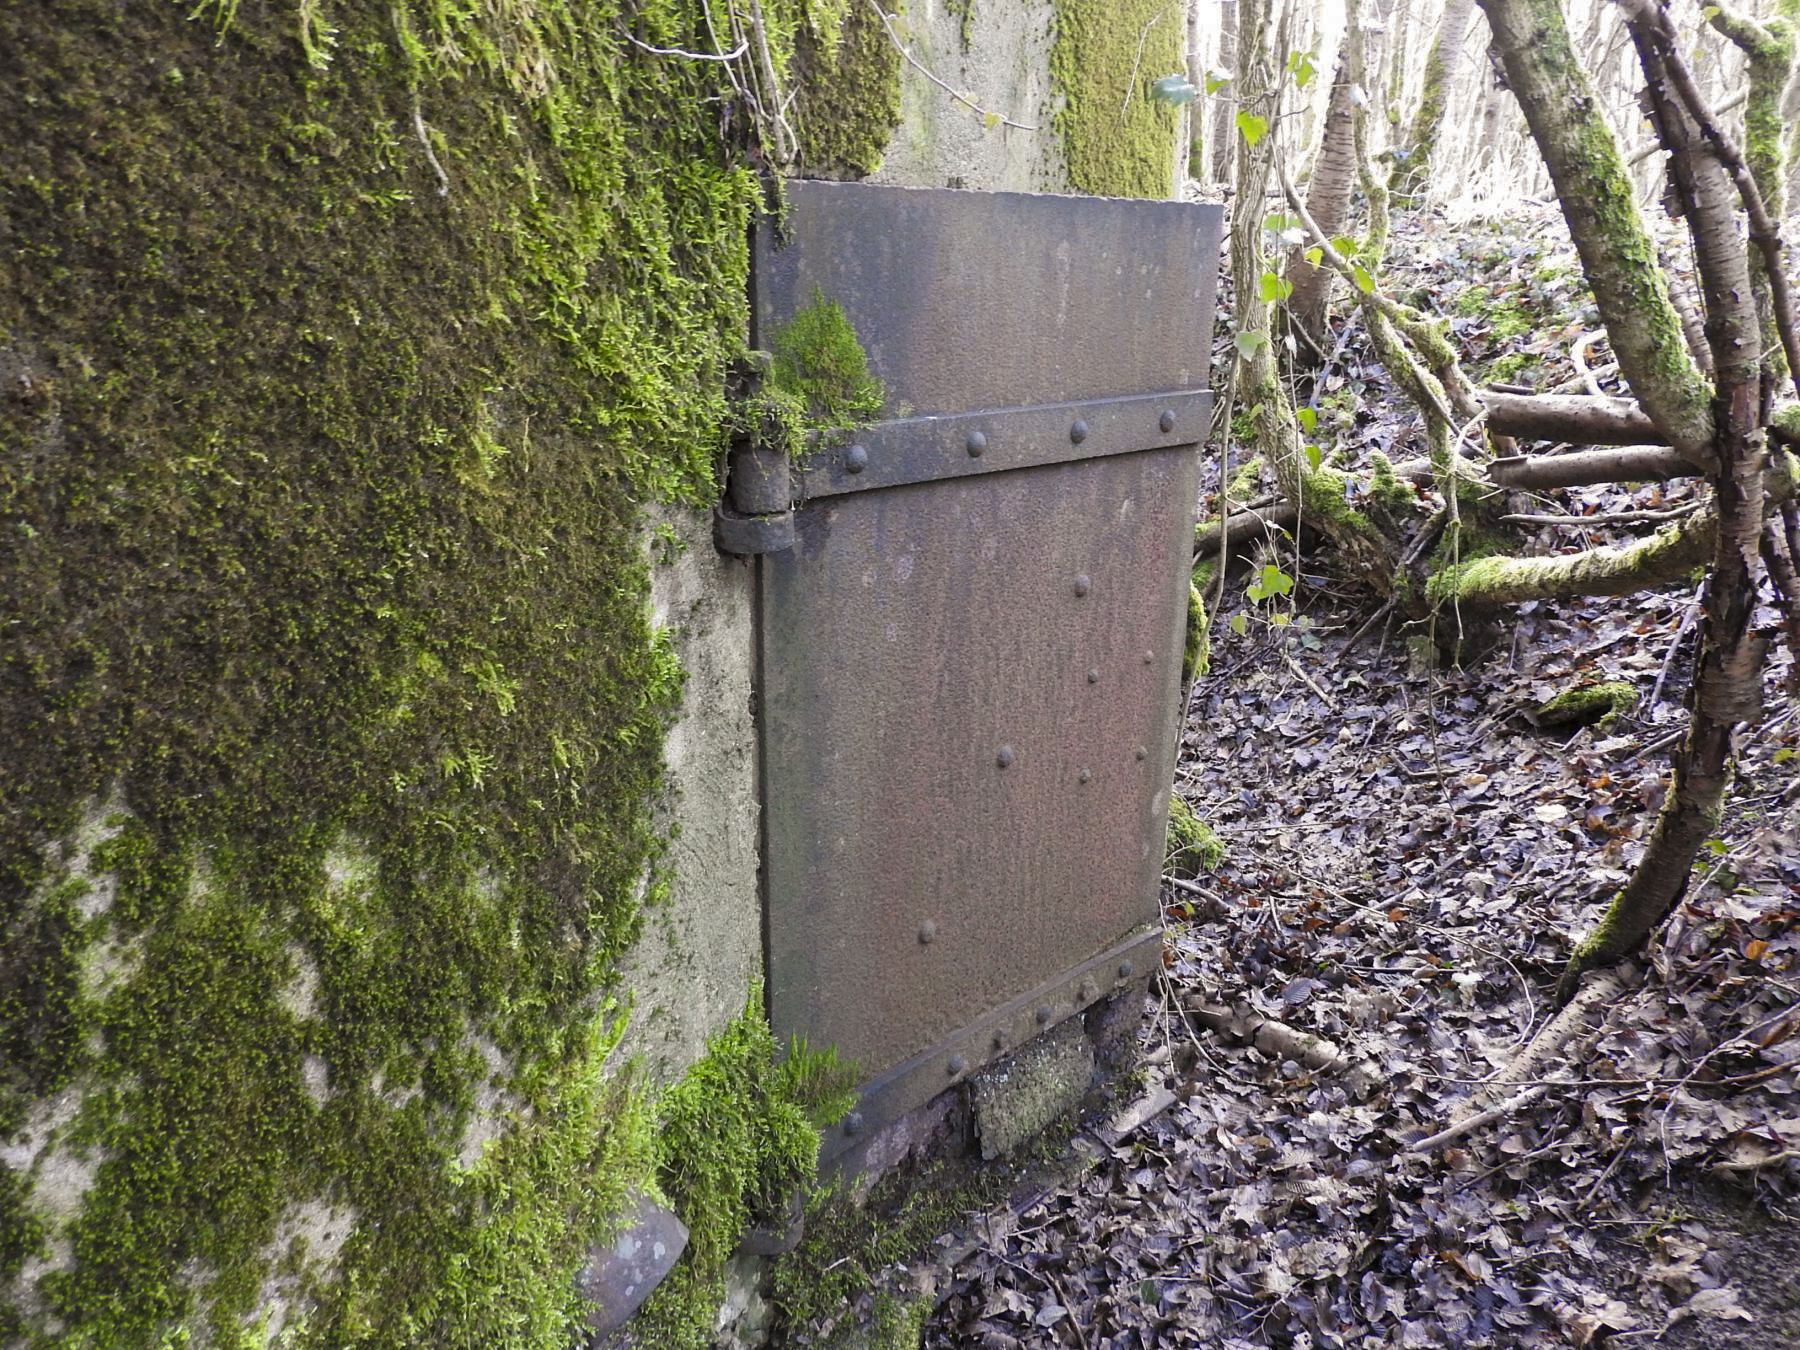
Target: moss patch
pixel 1601 704
pixel 847 95
pixel 738 1134
pixel 1115 149
pixel 820 364
pixel 846 1241
pixel 1193 847
pixel 339 354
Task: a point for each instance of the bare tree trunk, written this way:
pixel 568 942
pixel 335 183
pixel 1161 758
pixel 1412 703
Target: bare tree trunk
pixel 1224 136
pixel 1328 200
pixel 1413 174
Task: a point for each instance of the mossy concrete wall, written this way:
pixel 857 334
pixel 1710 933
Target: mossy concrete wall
pixel 701 950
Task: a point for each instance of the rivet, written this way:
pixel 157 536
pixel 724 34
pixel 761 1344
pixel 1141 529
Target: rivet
pixel 1086 775
pixel 928 931
pixel 1083 584
pixel 956 1065
pixel 975 444
pixel 1142 753
pixel 1149 658
pixel 1044 1013
pixel 1167 420
pixel 1078 432
pixel 1005 757
pixel 853 1123
pixel 856 459
pixel 1093 676
pixel 1125 969
pixel 1089 991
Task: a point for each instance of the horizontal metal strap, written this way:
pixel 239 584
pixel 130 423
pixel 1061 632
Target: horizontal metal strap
pixel 1125 965
pixel 923 449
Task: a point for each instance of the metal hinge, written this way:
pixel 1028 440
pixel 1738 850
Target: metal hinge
pixel 756 514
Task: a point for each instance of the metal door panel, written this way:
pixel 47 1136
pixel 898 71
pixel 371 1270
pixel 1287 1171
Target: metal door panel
pixel 971 616
pixel 970 716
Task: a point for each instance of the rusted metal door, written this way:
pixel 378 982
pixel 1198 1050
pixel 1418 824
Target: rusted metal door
pixel 970 650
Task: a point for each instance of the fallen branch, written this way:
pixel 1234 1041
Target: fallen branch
pixel 1609 517
pixel 1559 1032
pixel 1281 1042
pixel 1624 464
pixel 1579 418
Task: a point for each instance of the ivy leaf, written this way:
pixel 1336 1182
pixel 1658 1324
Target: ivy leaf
pixel 1216 79
pixel 1308 418
pixel 1254 128
pixel 1249 344
pixel 1315 256
pixel 1240 624
pixel 1172 89
pixel 990 120
pixel 1300 66
pixel 1345 246
pixel 1270 581
pixel 1360 275
pixel 1314 457
pixel 1272 289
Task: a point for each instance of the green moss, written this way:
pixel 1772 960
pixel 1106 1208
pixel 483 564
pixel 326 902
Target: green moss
pixel 820 363
pixel 1193 847
pixel 847 99
pixel 1104 50
pixel 336 372
pixel 847 1239
pixel 896 1325
pixel 1195 646
pixel 1396 497
pixel 1586 704
pixel 738 1135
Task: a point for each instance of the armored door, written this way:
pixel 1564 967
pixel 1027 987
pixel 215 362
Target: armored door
pixel 971 618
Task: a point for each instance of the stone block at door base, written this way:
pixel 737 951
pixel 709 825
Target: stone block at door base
pixel 1019 1097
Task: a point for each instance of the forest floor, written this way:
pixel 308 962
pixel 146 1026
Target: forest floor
pixel 1409 856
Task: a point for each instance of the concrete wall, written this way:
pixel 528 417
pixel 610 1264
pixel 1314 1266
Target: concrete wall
pixel 1005 68
pixel 701 950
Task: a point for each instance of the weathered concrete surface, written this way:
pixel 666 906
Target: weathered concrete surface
pixel 1017 1098
pixel 691 971
pixel 1005 67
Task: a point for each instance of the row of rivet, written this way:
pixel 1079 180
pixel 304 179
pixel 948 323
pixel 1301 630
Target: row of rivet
pixel 856 458
pixel 957 1065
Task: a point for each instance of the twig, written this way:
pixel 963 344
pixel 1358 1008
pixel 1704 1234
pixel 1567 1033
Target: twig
pixel 1578 359
pixel 425 140
pixel 1518 1101
pixel 1681 632
pixel 1311 683
pixel 1608 517
pixel 731 55
pixel 1136 61
pixel 913 61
